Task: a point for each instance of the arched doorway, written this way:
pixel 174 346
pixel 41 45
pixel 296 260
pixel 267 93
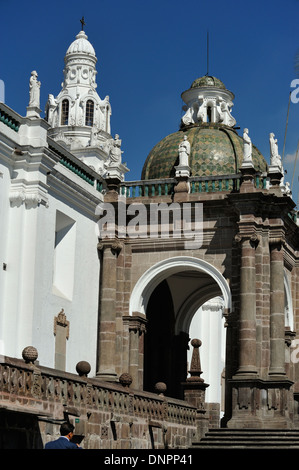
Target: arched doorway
pixel 169 294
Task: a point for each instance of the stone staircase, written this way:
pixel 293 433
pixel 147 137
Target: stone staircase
pixel 264 439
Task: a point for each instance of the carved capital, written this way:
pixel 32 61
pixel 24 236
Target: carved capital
pixel 136 322
pixel 277 242
pixel 115 245
pixel 253 237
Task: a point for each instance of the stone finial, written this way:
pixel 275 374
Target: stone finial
pixel 195 367
pixel 160 388
pixel 30 354
pixel 83 368
pixel 125 379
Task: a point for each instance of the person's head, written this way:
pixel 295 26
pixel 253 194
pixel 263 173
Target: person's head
pixel 67 430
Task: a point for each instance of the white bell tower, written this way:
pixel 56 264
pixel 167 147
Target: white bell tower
pixel 79 118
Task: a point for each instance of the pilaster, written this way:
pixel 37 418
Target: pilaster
pixel 247 318
pixel 107 310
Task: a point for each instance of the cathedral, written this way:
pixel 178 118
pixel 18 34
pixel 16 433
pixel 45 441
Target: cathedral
pixel 152 314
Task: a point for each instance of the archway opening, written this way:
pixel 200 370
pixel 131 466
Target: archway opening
pixel 170 293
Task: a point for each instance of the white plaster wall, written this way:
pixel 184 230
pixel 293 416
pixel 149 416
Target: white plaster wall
pixel 4 209
pixel 81 309
pixel 28 303
pixel 208 326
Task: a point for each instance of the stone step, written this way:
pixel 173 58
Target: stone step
pixel 225 438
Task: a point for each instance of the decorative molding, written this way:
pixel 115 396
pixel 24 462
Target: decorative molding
pixel 31 196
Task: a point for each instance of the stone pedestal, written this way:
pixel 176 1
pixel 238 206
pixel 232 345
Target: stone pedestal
pixel 194 390
pixel 248 174
pixel 113 182
pixel 275 175
pixel 261 404
pixel 182 188
pixel 33 111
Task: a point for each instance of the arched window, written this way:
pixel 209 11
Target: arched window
pixel 209 114
pixel 65 112
pixel 89 113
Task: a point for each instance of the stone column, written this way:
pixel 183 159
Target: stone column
pixel 137 328
pixel 247 322
pixel 277 301
pixel 107 312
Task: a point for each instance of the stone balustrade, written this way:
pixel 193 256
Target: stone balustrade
pixel 198 184
pixel 109 415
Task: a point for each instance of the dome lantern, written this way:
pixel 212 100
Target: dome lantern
pixel 208 100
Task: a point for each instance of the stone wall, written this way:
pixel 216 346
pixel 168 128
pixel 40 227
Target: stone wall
pixel 35 400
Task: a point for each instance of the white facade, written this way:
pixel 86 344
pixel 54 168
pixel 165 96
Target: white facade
pixel 51 181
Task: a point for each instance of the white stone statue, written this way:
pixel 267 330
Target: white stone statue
pixel 105 113
pixel 275 159
pixel 287 188
pixel 50 108
pixel 34 90
pixel 225 113
pixel 188 116
pixel 247 147
pixel 184 152
pixel 115 151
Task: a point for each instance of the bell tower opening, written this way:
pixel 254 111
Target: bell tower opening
pixel 65 112
pixel 89 113
pixel 209 114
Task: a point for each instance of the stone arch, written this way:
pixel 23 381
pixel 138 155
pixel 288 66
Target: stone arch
pixel 169 312
pixel 163 269
pixel 192 304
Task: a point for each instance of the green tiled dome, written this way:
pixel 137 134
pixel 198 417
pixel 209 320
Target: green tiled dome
pixel 216 150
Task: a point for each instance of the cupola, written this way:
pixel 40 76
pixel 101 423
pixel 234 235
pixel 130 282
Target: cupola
pixel 209 127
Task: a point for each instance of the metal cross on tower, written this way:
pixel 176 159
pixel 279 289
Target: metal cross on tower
pixel 82 22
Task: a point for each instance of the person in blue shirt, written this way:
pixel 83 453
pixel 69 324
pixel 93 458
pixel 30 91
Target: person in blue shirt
pixel 64 441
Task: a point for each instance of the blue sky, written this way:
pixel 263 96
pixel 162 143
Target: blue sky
pixel 149 52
